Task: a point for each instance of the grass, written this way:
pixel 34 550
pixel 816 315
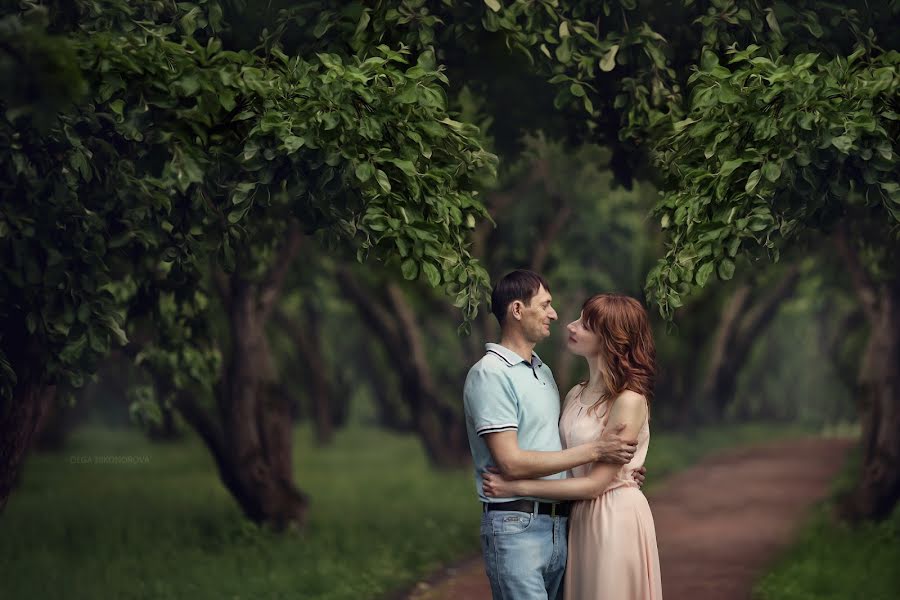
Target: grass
pixel 832 560
pixel 159 525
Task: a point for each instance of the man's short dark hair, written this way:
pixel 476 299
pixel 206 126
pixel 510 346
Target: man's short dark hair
pixel 520 284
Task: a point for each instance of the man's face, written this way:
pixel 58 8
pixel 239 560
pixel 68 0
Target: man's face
pixel 536 316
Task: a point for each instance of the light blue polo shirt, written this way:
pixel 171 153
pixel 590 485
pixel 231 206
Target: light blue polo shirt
pixel 504 392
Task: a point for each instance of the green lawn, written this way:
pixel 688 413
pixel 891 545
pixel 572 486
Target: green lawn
pixel 163 527
pixel 834 561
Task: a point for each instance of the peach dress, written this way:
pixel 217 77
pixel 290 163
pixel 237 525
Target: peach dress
pixel 612 539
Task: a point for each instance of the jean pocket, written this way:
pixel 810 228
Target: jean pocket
pixel 510 523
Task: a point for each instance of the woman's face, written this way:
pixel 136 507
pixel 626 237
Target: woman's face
pixel 582 341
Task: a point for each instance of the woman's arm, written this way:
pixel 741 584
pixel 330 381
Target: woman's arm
pixel 629 409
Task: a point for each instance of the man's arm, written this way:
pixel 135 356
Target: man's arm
pixel 516 463
pixel 629 411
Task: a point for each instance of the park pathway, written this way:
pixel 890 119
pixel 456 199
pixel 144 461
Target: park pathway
pixel 719 524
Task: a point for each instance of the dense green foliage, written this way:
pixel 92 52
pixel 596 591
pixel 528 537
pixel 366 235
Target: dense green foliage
pixel 772 148
pixel 165 528
pixel 183 150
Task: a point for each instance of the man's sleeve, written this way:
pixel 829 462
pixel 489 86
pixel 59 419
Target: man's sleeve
pixel 490 402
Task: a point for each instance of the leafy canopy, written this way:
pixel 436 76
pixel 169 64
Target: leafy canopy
pixel 181 150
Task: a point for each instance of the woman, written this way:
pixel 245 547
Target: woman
pixel 612 540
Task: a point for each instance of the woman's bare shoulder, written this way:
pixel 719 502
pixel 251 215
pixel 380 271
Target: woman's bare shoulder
pixel 631 401
pixel 631 398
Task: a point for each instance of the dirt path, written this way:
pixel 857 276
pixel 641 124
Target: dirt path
pixel 718 524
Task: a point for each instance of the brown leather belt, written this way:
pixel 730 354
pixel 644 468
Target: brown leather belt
pixel 554 509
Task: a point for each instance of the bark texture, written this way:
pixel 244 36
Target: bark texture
pixel 389 316
pixel 878 489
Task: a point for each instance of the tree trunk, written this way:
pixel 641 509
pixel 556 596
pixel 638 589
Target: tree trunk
pixel 440 427
pixel 740 326
pixel 878 490
pixel 257 423
pixel 308 344
pixel 18 420
pixel 391 410
pixel 251 441
pixel 717 385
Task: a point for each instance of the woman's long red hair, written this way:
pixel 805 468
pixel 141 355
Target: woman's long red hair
pixel 626 344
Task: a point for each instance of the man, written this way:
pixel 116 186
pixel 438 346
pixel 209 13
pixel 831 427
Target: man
pixel 512 411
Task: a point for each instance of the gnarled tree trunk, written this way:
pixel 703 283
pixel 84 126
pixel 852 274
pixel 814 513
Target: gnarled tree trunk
pixel 878 489
pixel 257 423
pixel 21 413
pixel 389 316
pixel 742 322
pixel 18 420
pixel 306 339
pixel 251 437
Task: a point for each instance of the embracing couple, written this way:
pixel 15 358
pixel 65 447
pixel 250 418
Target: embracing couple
pixel 542 476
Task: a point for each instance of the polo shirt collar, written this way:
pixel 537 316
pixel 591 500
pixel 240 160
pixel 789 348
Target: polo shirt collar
pixel 510 357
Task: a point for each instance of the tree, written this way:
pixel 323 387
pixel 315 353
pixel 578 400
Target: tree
pixel 186 152
pixel 774 146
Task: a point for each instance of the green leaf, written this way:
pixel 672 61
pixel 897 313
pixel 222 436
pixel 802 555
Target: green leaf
pixel 363 22
pixel 703 273
pixel 406 166
pixel 733 246
pixel 410 269
pixel 608 62
pixel 729 166
pixel 843 143
pixel 564 51
pixel 577 90
pixel 752 181
pixel 72 351
pixel 709 60
pixel 772 20
pixel 117 106
pixel 804 61
pixel 772 171
pixel 726 269
pixel 432 274
pixel 494 5
pixel 364 172
pixel 383 181
pixel 292 143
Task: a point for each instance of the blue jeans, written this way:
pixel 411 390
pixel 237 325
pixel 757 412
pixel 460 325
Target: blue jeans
pixel 524 554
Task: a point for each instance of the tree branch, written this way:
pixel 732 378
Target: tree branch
pixel 411 333
pixel 295 331
pixel 202 423
pixel 376 316
pixel 271 286
pixel 862 283
pixel 763 310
